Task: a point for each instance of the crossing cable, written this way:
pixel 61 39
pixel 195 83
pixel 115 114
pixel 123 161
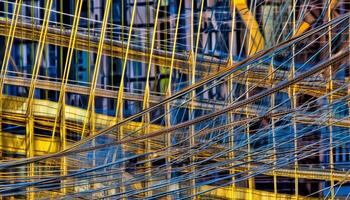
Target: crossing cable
pixel 221 73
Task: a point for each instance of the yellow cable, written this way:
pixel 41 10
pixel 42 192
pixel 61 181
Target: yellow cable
pixel 147 89
pixel 121 85
pixel 97 66
pixel 9 42
pixel 173 50
pixel 67 65
pixel 38 56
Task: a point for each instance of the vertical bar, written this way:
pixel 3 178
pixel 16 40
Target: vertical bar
pixel 193 60
pixel 63 142
pixel 330 99
pixel 9 43
pixel 38 57
pixel 168 94
pixel 250 180
pixel 61 32
pixel 89 39
pixel 119 137
pixel 192 74
pixel 6 14
pixel 250 51
pixel 229 91
pixel 145 104
pixel 272 102
pixel 268 23
pixel 113 190
pixel 93 142
pixel 35 72
pixel 90 111
pixel 291 94
pixel 7 54
pixel 30 152
pixel 60 112
pixel 119 105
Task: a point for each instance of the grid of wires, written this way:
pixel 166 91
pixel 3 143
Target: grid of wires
pixel 283 112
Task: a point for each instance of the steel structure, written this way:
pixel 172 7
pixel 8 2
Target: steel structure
pixel 174 99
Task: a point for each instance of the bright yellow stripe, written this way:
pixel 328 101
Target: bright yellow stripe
pixel 257 42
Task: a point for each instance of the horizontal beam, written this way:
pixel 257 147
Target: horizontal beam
pixel 84 42
pixel 244 193
pixel 46 109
